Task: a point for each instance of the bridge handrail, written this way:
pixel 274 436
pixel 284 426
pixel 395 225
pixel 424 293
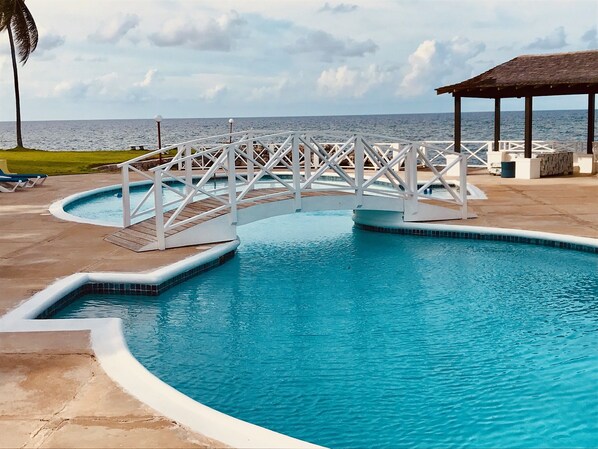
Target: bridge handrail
pixel 257 158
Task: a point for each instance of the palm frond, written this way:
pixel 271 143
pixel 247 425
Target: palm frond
pixel 22 25
pixel 7 10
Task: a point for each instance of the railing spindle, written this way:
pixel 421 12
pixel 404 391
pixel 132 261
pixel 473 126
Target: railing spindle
pixel 126 193
pixel 159 208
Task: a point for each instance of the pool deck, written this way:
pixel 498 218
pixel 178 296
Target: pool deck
pixel 53 393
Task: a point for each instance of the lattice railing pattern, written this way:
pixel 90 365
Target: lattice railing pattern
pixel 283 164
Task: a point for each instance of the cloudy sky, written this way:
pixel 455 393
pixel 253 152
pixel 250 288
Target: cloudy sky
pixel 233 58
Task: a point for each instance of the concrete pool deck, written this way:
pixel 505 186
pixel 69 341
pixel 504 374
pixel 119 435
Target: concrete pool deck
pixel 53 393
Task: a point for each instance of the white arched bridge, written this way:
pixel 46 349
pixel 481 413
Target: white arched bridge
pixel 205 188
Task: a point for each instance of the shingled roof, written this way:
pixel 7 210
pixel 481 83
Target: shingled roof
pixel 533 75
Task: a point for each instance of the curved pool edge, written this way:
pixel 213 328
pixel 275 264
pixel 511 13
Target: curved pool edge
pixel 57 207
pixel 379 221
pixel 111 350
pixel 110 347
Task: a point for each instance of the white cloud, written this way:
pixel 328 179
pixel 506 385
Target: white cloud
pixel 350 82
pixel 435 63
pixel 149 78
pixel 49 41
pixel 4 61
pixel 590 37
pixel 270 91
pixel 102 86
pixel 114 30
pixel 329 47
pixel 210 34
pixel 214 92
pixel 341 8
pixel 555 40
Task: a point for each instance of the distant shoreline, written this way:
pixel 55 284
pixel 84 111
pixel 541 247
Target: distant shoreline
pixel 149 119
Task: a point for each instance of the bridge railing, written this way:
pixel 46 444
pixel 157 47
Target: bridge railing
pixel 258 167
pixel 477 151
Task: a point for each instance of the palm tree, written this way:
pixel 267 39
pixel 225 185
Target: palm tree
pixel 17 20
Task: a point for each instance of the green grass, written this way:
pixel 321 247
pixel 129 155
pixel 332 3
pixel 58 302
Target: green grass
pixel 26 160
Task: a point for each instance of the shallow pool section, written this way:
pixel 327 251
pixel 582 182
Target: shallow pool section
pixel 105 206
pixel 349 338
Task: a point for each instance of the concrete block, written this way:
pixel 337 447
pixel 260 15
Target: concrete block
pixel 527 168
pixel 584 164
pixel 455 170
pixel 494 159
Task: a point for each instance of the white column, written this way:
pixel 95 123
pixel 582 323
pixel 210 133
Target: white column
pixel 296 166
pixel 232 184
pixel 359 170
pixel 188 169
pixel 126 197
pixel 463 185
pixel 250 155
pixel 159 208
pixel 307 158
pixel 412 200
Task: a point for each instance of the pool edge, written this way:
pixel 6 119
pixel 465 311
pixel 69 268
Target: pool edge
pixel 110 346
pixel 111 350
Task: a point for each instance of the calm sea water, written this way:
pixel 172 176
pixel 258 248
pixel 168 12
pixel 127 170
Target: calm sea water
pixel 120 134
pixel 355 339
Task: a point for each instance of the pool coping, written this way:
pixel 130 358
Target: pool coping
pixel 110 347
pixel 109 344
pixel 57 207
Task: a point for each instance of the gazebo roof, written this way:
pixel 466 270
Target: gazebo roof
pixel 533 75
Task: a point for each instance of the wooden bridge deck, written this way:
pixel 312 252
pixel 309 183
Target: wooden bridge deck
pixel 139 235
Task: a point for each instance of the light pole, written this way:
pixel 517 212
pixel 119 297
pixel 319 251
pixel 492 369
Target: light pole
pixel 230 130
pixel 158 119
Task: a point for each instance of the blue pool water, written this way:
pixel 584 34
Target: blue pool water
pixel 349 338
pixel 106 206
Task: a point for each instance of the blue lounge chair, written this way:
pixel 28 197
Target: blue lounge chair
pixel 9 184
pixel 32 178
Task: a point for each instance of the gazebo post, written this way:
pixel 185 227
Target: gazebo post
pixel 457 147
pixel 527 146
pixel 591 119
pixel 496 123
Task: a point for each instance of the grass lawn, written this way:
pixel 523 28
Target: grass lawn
pixel 24 160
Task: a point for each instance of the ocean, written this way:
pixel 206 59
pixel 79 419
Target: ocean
pixel 121 134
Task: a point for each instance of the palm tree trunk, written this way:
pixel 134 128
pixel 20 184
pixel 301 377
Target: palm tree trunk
pixel 17 95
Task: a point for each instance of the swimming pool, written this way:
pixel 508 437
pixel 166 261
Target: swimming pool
pixel 104 206
pixel 349 338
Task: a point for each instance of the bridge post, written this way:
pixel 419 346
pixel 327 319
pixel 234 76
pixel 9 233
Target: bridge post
pixel 188 170
pixel 250 157
pixel 307 158
pixel 159 208
pixel 232 183
pixel 411 179
pixel 359 169
pixel 126 197
pixel 296 166
pixel 463 185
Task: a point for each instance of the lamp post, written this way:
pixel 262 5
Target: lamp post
pixel 230 130
pixel 158 119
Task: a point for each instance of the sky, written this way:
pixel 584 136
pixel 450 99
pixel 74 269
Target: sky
pixel 253 58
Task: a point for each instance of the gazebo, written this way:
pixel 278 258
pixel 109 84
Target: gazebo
pixel 531 76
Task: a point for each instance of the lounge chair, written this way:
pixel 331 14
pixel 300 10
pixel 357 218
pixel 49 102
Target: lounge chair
pixel 4 167
pixel 33 178
pixel 9 184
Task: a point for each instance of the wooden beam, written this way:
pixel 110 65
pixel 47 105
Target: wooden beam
pixel 524 91
pixel 591 120
pixel 496 123
pixel 527 146
pixel 457 146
